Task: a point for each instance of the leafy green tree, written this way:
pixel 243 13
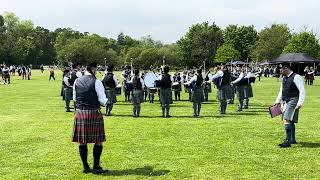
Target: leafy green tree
pixel 83 50
pixel 148 57
pixel 226 53
pixel 171 54
pixel 272 41
pixel 242 38
pixel 133 53
pixel 304 42
pixel 200 43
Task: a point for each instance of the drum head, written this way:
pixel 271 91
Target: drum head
pixel 149 79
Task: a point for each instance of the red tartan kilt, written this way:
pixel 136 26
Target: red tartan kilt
pixel 88 127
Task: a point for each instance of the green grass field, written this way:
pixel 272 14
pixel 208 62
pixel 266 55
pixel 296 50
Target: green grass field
pixel 36 142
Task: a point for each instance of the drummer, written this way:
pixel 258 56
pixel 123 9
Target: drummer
pixel 177 86
pixel 110 83
pixel 207 86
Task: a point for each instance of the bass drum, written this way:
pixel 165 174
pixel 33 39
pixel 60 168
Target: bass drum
pixel 150 79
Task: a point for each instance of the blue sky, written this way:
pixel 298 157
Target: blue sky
pixel 164 20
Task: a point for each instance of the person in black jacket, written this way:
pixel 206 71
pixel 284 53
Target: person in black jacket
pixel 165 81
pixel 110 83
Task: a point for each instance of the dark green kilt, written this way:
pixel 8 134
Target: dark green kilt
pixel 166 96
pixel 197 95
pixel 111 95
pixel 68 92
pixel 240 92
pixel 224 93
pixel 248 91
pixel 137 96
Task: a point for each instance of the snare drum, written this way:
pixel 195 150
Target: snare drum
pixel 118 90
pixel 152 90
pixel 176 86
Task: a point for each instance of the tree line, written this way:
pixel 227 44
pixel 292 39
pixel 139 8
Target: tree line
pixel 21 42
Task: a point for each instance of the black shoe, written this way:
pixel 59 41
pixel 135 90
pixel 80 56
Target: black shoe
pixel 293 142
pixel 285 144
pixel 99 170
pixel 168 116
pixel 239 110
pixel 68 110
pixel 87 170
pixel 245 107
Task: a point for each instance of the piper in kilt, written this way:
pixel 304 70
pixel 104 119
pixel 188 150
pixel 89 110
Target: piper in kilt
pixel 165 82
pixel 197 96
pixel 177 89
pixel 110 83
pixel 248 93
pixel 240 83
pixel 207 86
pixel 88 93
pixel 292 95
pixel 222 80
pixel 67 88
pixel 137 93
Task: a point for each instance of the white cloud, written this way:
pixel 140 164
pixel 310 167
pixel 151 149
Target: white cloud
pixel 165 20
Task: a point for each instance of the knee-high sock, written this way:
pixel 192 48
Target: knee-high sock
pixel 240 104
pixel 199 109
pixel 293 132
pixel 134 109
pixel 288 130
pixel 97 150
pixel 167 109
pixel 83 151
pixel 194 105
pixel 67 104
pixel 163 109
pixel 246 102
pixel 223 106
pixel 138 109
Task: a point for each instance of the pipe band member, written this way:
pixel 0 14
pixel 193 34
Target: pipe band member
pixel 222 80
pixel 165 83
pixel 89 95
pixel 248 92
pixel 6 74
pixel 207 87
pixel 240 83
pixel 137 93
pixel 110 83
pixel 67 84
pixel 292 95
pixel 177 90
pixel 197 96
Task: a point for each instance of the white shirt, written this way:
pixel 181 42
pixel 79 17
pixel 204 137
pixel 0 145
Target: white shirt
pixel 114 78
pixel 66 81
pixel 78 74
pixel 298 81
pixel 217 75
pixel 193 79
pixel 99 90
pixel 141 81
pixel 239 78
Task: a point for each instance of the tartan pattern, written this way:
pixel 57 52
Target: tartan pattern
pixel 88 127
pixel 111 95
pixel 166 96
pixel 240 92
pixel 197 95
pixel 68 92
pixel 224 93
pixel 137 96
pixel 248 91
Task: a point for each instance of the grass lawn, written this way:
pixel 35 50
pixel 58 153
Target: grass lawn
pixel 36 142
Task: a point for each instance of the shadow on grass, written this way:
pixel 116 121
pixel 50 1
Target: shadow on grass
pixel 309 145
pixel 144 171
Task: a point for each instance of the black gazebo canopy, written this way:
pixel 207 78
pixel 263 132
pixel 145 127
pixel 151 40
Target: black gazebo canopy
pixel 295 58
